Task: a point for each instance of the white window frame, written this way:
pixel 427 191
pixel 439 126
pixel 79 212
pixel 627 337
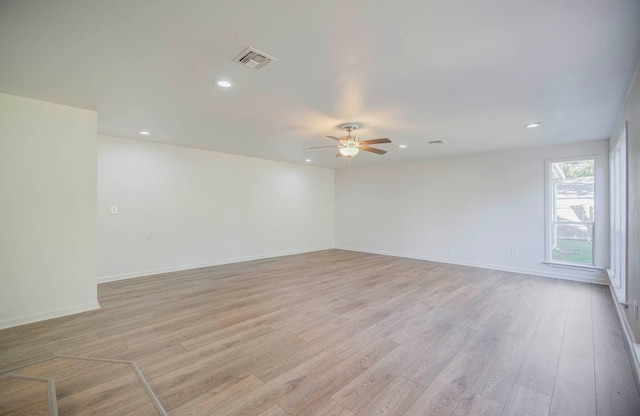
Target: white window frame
pixel 618 217
pixel 549 213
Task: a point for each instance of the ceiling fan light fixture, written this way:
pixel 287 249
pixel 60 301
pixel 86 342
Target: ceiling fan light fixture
pixel 349 151
pixel 350 146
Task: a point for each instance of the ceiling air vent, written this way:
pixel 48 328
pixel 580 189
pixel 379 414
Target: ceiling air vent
pixel 253 58
pixel 437 142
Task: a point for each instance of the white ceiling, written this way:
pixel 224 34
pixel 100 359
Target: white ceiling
pixel 466 71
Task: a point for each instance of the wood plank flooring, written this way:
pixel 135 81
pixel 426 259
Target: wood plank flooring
pixel 344 333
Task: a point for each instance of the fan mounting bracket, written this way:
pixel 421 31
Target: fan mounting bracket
pixel 349 126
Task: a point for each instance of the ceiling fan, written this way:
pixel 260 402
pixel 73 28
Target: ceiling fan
pixel 349 146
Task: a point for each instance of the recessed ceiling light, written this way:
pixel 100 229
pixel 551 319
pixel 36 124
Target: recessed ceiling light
pixel 533 125
pixel 402 146
pixel 222 83
pixel 144 132
pixel 436 142
pixel 308 160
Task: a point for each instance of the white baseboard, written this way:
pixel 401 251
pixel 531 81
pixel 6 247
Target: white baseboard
pixel 42 316
pixel 600 277
pixel 633 348
pixel 142 273
pixel 636 362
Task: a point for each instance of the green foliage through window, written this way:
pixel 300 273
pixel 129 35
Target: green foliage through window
pixel 574 251
pixel 577 168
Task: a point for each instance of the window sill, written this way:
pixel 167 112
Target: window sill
pixel 572 266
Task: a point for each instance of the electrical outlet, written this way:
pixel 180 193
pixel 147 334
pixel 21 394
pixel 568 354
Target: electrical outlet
pixel 450 249
pixel 148 235
pixel 635 309
pixel 114 209
pixel 514 252
pixel 416 243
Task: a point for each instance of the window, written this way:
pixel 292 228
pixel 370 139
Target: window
pixel 570 211
pixel 618 204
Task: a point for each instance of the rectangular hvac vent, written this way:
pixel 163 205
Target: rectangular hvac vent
pixel 253 58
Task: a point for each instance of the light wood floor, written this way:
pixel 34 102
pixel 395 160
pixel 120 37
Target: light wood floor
pixel 344 333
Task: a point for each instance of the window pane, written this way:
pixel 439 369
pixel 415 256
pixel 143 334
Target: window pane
pixel 573 191
pixel 573 243
pixel 572 197
pixel 618 194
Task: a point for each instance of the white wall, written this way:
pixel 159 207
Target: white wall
pixel 467 210
pixel 630 116
pixel 204 208
pixel 47 210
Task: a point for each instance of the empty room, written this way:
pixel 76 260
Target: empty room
pixel 315 208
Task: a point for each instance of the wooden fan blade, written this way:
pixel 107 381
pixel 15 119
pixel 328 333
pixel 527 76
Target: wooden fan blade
pixel 339 154
pixel 318 147
pixel 333 138
pixel 373 150
pixel 376 141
